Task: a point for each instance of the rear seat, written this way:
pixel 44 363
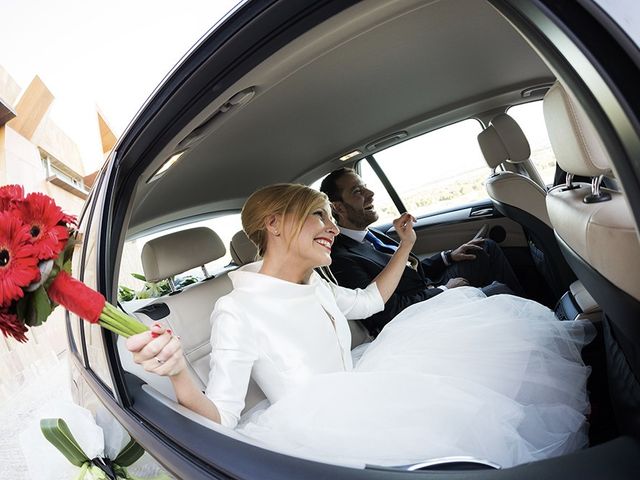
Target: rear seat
pixel 242 249
pixel 187 312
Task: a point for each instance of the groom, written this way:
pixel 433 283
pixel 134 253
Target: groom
pixel 359 254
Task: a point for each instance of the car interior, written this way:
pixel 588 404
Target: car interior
pixel 373 78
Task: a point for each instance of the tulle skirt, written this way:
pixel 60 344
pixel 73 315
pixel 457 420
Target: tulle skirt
pixel 495 378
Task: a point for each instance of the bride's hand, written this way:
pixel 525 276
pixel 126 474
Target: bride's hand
pixel 387 280
pixel 404 228
pixel 158 351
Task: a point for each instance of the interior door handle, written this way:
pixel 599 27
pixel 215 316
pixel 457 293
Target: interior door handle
pixel 483 212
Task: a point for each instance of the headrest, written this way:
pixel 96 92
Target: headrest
pixel 513 139
pixel 242 249
pixel 178 252
pixel 503 141
pixel 575 141
pixel 492 147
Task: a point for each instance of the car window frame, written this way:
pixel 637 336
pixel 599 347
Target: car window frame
pixel 393 193
pixel 531 163
pixel 98 195
pixel 78 346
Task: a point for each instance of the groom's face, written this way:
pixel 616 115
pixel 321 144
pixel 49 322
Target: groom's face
pixel 355 210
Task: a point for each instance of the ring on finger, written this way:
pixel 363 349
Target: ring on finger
pixel 159 361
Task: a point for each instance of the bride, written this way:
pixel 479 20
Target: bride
pixel 497 378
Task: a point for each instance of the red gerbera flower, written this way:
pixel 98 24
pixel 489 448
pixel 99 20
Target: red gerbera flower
pixel 18 264
pixel 10 195
pixel 10 326
pixel 46 225
pixel 69 219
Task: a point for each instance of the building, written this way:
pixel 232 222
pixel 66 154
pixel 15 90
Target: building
pixel 38 154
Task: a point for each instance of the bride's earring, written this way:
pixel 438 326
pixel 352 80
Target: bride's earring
pixel 272 223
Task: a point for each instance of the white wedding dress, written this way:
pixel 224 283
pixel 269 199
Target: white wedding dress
pixel 496 378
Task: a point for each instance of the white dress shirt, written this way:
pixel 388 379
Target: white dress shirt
pixel 280 333
pixel 357 235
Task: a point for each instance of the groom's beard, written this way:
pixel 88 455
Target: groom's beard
pixel 359 217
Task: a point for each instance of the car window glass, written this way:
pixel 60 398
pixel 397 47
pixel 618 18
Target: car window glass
pixel 531 119
pixel 316 185
pixel 439 170
pixel 93 333
pixel 385 207
pixel 135 292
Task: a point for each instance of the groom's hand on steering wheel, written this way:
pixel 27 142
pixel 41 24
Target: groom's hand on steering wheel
pixel 467 251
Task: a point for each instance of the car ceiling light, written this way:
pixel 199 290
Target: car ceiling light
pixel 167 165
pixel 349 155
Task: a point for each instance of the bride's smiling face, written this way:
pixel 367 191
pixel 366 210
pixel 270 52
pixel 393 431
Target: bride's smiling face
pixel 312 247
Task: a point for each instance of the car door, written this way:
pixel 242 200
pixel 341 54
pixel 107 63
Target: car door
pixel 439 178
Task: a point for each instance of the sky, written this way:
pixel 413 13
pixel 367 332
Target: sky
pixel 626 13
pixel 108 55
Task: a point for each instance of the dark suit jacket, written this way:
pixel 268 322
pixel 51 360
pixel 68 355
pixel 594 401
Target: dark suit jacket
pixel 356 264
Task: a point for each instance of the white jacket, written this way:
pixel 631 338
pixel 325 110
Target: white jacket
pixel 281 334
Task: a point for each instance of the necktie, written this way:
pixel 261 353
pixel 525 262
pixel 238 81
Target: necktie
pixel 379 244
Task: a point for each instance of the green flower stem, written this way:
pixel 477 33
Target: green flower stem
pixel 116 325
pixel 123 319
pixel 119 322
pixel 115 330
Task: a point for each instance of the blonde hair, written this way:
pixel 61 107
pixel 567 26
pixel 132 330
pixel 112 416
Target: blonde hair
pixel 285 199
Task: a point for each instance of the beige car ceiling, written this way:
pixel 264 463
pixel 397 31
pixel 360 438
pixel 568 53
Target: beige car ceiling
pixel 378 67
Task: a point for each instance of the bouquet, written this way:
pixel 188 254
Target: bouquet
pixel 71 442
pixel 36 244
